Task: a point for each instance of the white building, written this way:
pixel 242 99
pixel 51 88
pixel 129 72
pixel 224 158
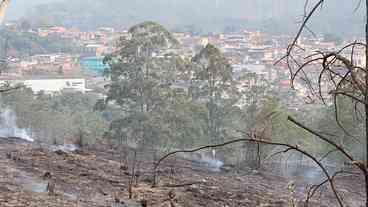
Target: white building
pixel 51 86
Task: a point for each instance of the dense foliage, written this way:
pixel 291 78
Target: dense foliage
pixel 68 117
pixel 169 102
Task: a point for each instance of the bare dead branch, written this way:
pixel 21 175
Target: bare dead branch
pixel 322 137
pixel 358 6
pixel 336 112
pixel 313 189
pixel 254 140
pixel 302 27
pixel 346 78
pixel 327 154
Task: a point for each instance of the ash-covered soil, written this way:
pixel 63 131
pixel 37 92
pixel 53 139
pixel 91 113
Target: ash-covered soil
pixel 34 175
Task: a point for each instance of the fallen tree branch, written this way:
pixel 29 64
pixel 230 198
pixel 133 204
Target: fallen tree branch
pixel 181 185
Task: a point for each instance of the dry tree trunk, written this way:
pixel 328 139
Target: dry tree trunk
pixel 3 6
pixel 366 100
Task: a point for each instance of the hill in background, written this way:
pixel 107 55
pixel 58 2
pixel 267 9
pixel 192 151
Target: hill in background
pixel 202 16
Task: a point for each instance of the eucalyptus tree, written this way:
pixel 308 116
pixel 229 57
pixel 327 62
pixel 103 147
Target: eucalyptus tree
pixel 215 86
pixel 142 73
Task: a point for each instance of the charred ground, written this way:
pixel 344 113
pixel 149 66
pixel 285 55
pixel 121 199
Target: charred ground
pixel 37 175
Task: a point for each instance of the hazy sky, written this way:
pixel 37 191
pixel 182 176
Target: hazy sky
pixel 335 15
pixel 18 8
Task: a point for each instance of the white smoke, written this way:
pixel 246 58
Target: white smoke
pixel 65 148
pixel 9 127
pixel 204 160
pixel 211 163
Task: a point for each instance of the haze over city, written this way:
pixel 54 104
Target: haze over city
pixel 209 14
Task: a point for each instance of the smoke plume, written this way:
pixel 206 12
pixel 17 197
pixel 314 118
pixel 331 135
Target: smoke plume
pixel 9 127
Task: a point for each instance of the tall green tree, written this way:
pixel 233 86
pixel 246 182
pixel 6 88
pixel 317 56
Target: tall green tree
pixel 142 73
pixel 215 85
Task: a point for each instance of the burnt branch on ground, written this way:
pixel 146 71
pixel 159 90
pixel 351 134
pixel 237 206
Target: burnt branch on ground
pixel 252 138
pixel 338 75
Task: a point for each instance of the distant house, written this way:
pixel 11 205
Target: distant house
pixel 94 49
pixel 44 58
pixel 46 31
pixel 106 29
